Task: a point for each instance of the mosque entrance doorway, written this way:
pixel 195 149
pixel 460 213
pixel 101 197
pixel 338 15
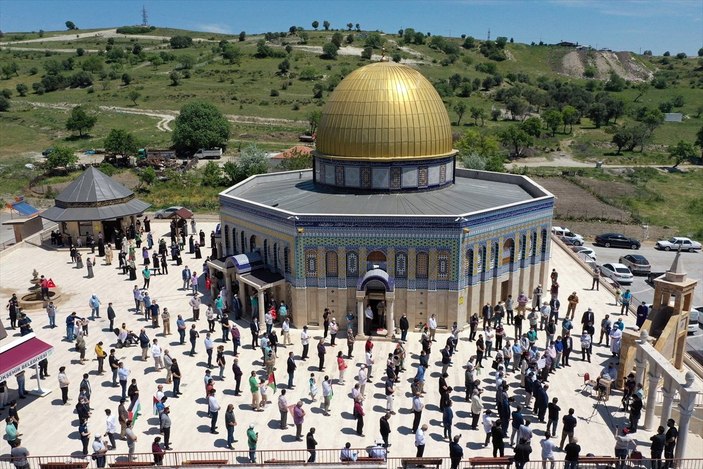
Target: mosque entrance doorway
pixel 375 297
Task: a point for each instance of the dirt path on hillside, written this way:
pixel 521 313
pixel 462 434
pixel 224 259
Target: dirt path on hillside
pixel 165 118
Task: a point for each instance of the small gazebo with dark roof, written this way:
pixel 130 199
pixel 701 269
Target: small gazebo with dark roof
pixel 95 203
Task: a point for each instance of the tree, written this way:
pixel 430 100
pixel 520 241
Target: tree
pixel 317 90
pixel 337 39
pixel 350 26
pixel 80 52
pixel 232 54
pixel 10 69
pixel 80 121
pixel 4 104
pixel 180 42
pixel 93 64
pixel 682 151
pixel 252 160
pixel 121 142
pixel 187 62
pixel 296 161
pixel 367 53
pixel 315 25
pixel 147 176
pixel 478 113
pixel 532 126
pixel 200 125
pixel 621 138
pixel 598 113
pixel 314 120
pixel 700 52
pixel 61 156
pixel 570 116
pixel 699 140
pixel 641 88
pixel 517 107
pixel 374 40
pixel 22 89
pixel 133 96
pixel 212 174
pixel 242 36
pixel 513 136
pixel 460 109
pixel 329 50
pixel 71 26
pixel 326 25
pixel 175 78
pixel 126 78
pixel 552 119
pixel 284 67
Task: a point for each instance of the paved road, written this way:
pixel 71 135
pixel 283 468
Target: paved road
pixel 661 261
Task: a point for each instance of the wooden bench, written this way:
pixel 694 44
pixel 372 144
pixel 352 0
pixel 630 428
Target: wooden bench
pixel 132 464
pixel 283 462
pixel 64 465
pixel 488 461
pixel 205 462
pixel 598 460
pixel 408 463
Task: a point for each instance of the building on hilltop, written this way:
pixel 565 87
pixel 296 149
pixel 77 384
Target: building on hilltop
pixel 384 220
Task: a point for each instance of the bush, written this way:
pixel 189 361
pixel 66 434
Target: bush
pixel 135 29
pixel 4 104
pixel 181 42
pixel 274 93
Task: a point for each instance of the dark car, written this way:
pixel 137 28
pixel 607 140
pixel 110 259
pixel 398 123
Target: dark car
pixel 637 263
pixel 616 240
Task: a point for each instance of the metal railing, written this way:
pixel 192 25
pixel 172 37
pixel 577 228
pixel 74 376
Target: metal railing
pixel 299 457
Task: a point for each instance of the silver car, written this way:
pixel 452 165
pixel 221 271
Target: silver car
pixel 618 272
pixel 167 212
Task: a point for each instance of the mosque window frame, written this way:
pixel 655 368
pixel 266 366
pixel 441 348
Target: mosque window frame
pixel 508 257
pixel 533 244
pixel 243 237
pixel 286 259
pixel 401 264
pixel 352 264
pixel 275 257
pixel 331 264
pixel 470 259
pixel 443 265
pixel 226 239
pixel 266 252
pixel 495 256
pixel 252 243
pixel 422 265
pixel 311 263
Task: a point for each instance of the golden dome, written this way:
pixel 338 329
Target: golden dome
pixel 384 111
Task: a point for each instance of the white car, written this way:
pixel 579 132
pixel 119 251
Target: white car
pixel 167 212
pixel 585 251
pixel 577 239
pixel 618 272
pixel 677 242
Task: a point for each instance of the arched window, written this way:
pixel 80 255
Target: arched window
pixel 226 240
pixel 331 263
pixel 252 243
pixel 352 264
pixel 470 265
pixel 286 260
pixel 266 252
pixel 533 244
pixel 442 265
pixel 544 243
pixel 495 258
pixel 234 241
pixel 275 257
pixel 508 252
pixel 422 262
pixel 401 265
pixel 523 247
pixel 376 257
pixel 243 241
pixel 311 263
pixel 481 266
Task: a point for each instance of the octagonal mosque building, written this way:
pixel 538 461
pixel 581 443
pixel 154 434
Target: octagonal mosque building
pixel 385 223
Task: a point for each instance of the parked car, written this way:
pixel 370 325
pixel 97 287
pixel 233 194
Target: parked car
pixel 695 320
pixel 637 263
pixel 47 152
pixel 676 243
pixel 585 250
pixel 618 272
pixel 569 241
pixel 616 240
pixel 167 212
pixel 563 233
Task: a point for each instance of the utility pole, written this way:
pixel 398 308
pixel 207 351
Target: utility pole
pixel 145 17
pixel 489 34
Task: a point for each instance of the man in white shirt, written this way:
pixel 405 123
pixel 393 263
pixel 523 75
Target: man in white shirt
pixel 305 341
pixel 377 451
pixel 111 427
pixel 368 321
pixel 417 411
pixel 156 354
pixel 432 324
pixel 195 306
pixel 363 378
pixel 369 364
pixel 347 454
pixel 420 440
pixel 545 311
pixel 213 408
pixel 326 395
